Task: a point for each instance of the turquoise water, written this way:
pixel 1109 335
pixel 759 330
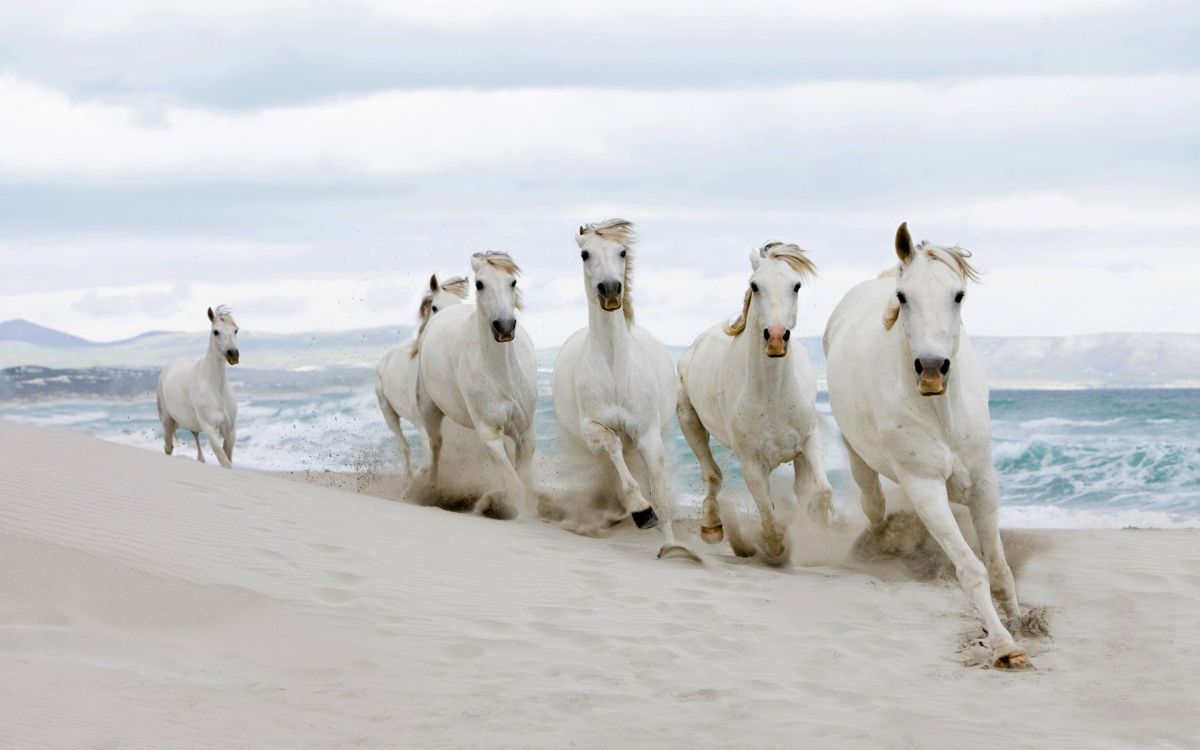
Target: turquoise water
pixel 1064 458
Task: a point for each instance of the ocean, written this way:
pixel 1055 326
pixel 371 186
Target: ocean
pixel 1066 458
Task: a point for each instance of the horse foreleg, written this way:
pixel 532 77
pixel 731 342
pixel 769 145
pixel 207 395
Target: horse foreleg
pixel 212 434
pixel 651 449
pixel 757 477
pixel 874 504
pixel 811 480
pixel 603 441
pixel 199 450
pixel 985 512
pixel 711 530
pixel 229 438
pixel 932 504
pixel 493 439
pixel 526 445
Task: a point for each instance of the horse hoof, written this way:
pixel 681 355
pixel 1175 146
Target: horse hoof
pixel 712 534
pixel 1015 660
pixel 677 552
pixel 645 519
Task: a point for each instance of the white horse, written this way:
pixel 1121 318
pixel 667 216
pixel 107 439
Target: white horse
pixel 912 404
pixel 757 398
pixel 396 373
pixel 480 370
pixel 614 385
pixel 195 395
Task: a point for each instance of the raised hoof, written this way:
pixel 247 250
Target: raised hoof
pixel 645 519
pixel 712 534
pixel 677 552
pixel 1013 660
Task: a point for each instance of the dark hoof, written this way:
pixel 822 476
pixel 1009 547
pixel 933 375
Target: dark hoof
pixel 645 519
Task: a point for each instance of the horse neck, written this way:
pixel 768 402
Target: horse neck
pixel 766 375
pixel 214 364
pixel 608 332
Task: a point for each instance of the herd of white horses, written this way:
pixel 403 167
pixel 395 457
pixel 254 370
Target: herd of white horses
pixel 905 386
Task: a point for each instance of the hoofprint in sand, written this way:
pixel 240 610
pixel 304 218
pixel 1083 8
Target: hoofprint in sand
pixel 147 601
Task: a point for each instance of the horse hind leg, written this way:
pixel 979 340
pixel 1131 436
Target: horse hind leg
pixel 168 434
pixel 711 529
pixel 393 422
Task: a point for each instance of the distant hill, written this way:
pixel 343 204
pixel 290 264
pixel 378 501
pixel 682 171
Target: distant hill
pixel 1103 360
pixel 32 333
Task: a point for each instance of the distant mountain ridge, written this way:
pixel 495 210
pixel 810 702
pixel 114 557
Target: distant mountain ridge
pixel 1102 360
pixel 28 332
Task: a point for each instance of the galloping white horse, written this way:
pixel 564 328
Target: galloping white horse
pixel 614 389
pixel 480 370
pixel 912 404
pixel 757 398
pixel 396 373
pixel 195 395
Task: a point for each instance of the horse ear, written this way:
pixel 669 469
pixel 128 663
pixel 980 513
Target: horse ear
pixel 582 230
pixel 476 261
pixel 755 259
pixel 433 285
pixel 904 249
pixel 211 317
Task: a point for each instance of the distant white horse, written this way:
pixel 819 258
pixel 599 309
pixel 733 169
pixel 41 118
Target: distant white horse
pixel 195 395
pixel 758 398
pixel 396 373
pixel 477 367
pixel 614 385
pixel 912 404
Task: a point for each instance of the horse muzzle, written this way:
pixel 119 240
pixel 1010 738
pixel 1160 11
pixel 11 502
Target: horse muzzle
pixel 932 376
pixel 232 356
pixel 609 293
pixel 777 338
pixel 504 330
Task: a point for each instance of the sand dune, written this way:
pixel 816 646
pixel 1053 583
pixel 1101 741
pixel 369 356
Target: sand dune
pixel 153 602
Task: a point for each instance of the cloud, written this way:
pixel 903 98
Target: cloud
pixel 548 135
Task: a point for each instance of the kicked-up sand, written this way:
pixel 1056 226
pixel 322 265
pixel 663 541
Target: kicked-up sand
pixel 154 602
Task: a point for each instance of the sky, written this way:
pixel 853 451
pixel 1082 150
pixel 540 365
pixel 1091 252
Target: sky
pixel 310 164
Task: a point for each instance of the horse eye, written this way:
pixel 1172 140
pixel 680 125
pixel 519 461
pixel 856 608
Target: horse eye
pixel 900 296
pixel 753 287
pixel 959 297
pixel 797 287
pixel 479 285
pixel 435 309
pixel 585 255
pixel 514 284
pixel 623 253
pixel 215 333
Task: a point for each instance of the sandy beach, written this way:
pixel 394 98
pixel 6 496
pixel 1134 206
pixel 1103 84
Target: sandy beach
pixel 154 602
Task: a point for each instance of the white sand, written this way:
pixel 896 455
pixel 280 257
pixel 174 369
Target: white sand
pixel 148 602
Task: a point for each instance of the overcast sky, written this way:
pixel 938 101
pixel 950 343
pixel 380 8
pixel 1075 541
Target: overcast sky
pixel 310 165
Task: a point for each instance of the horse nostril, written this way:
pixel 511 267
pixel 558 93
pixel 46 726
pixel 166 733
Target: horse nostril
pixel 766 335
pixel 945 368
pixel 787 335
pixel 917 365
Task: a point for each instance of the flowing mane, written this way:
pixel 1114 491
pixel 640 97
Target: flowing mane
pixel 956 258
pixel 619 231
pixel 787 252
